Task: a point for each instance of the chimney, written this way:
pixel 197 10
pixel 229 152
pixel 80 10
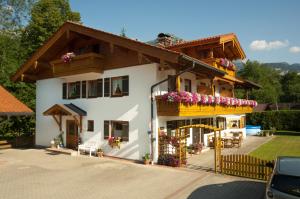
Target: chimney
pixel 164 40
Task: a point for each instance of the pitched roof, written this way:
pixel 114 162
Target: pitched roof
pixel 10 105
pixel 65 109
pixel 207 40
pixel 166 54
pixel 202 40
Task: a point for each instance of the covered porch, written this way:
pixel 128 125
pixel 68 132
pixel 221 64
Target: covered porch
pixel 73 126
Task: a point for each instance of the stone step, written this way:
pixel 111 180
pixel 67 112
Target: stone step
pixel 5 146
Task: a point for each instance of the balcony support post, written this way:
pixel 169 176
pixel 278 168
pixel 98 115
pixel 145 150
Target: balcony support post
pixel 178 83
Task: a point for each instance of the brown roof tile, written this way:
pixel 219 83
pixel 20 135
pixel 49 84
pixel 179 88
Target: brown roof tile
pixel 11 105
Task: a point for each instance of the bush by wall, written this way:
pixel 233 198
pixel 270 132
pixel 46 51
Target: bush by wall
pixel 16 126
pixel 281 120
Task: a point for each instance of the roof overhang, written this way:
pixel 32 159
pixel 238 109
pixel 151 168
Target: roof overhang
pixel 16 113
pixel 200 66
pixel 24 73
pixel 212 42
pixel 248 84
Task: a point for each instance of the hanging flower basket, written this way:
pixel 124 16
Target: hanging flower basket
pixel 114 142
pixel 68 57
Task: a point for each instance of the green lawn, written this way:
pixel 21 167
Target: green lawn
pixel 280 145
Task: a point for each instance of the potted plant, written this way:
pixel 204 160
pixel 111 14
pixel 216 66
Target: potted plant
pixel 146 158
pixel 99 153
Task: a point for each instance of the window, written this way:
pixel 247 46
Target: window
pixel 119 86
pixel 188 85
pixel 92 88
pixel 90 125
pixel 171 83
pixel 221 122
pixel 106 87
pixel 73 90
pixel 99 87
pixel 174 124
pixel 286 184
pixel 83 89
pixel 64 90
pixel 116 129
pixel 233 123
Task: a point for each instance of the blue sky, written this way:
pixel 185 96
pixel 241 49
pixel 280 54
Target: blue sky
pixel 269 31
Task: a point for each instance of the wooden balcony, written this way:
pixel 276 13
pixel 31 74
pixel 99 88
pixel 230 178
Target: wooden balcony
pixel 215 62
pixel 85 63
pixel 180 109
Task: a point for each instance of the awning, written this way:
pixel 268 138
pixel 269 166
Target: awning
pixel 65 109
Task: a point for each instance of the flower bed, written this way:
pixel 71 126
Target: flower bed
pixel 168 160
pixel 195 98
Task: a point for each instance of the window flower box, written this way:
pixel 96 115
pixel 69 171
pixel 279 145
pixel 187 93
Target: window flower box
pixel 194 104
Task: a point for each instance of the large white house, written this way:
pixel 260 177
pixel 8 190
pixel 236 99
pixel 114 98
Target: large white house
pixel 92 85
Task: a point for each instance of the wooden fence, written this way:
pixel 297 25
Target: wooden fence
pixel 245 166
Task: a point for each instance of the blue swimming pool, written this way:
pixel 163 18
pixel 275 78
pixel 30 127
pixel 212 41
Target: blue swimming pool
pixel 252 130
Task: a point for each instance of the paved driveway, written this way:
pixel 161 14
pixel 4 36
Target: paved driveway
pixel 36 174
pixel 205 161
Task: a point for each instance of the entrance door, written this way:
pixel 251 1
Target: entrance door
pixel 72 134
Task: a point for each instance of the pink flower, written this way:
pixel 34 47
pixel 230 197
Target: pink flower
pixel 217 100
pixel 204 99
pixel 210 99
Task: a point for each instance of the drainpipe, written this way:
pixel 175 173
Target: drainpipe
pixel 152 104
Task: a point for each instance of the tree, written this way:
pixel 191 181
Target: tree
pixel 291 87
pixel 14 13
pixel 46 17
pixel 267 77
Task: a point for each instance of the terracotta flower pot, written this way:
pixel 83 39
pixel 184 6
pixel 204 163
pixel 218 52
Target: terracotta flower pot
pixel 100 154
pixel 146 161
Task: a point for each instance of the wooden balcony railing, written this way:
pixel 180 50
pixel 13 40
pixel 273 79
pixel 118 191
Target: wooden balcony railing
pixel 180 109
pixel 216 62
pixel 84 63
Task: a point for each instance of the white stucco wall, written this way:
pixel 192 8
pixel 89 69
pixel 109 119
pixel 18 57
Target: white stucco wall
pixel 134 108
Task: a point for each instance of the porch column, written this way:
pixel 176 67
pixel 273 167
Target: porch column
pixel 178 83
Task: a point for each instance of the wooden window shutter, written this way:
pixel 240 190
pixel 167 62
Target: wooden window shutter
pixel 125 133
pixel 107 87
pixel 64 91
pixel 125 85
pixel 100 88
pixel 106 129
pixel 171 83
pixel 83 89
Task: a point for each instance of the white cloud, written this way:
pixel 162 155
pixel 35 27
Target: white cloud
pixel 265 45
pixel 295 49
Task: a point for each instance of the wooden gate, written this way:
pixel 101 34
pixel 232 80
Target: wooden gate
pixel 245 166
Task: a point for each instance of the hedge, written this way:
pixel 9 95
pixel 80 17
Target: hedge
pixel 281 120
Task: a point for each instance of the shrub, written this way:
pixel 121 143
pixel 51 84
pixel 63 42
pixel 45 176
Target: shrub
pixel 280 120
pixel 16 126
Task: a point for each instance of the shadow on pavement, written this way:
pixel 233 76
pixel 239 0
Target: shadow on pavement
pixel 231 190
